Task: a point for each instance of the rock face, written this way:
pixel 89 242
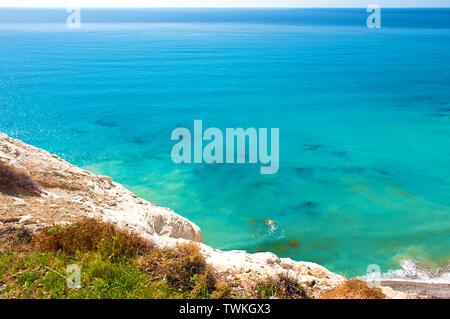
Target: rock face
pixel 66 193
pixel 242 267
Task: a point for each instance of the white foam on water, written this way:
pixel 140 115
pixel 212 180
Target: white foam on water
pixel 412 271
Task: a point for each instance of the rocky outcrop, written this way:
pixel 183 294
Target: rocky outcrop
pixel 67 192
pixel 247 269
pixel 63 193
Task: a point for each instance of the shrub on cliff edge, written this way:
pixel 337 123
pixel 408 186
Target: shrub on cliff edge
pixel 283 286
pixel 184 268
pixel 90 234
pixel 353 289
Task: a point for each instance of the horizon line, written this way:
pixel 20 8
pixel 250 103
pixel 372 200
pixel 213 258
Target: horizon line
pixel 222 7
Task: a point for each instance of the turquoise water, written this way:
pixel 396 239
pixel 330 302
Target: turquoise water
pixel 364 118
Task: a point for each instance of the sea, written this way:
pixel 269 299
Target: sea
pixel 363 117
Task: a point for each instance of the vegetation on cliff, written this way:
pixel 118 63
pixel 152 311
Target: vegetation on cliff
pixel 114 264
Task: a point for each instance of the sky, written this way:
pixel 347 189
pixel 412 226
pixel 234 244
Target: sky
pixel 222 3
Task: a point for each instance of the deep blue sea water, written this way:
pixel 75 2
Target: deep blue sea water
pixel 364 118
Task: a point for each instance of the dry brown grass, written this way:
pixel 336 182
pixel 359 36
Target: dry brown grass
pixel 11 235
pixel 284 286
pixel 13 183
pixel 184 268
pixel 88 235
pixel 353 289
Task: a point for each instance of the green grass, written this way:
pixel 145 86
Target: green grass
pixel 42 275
